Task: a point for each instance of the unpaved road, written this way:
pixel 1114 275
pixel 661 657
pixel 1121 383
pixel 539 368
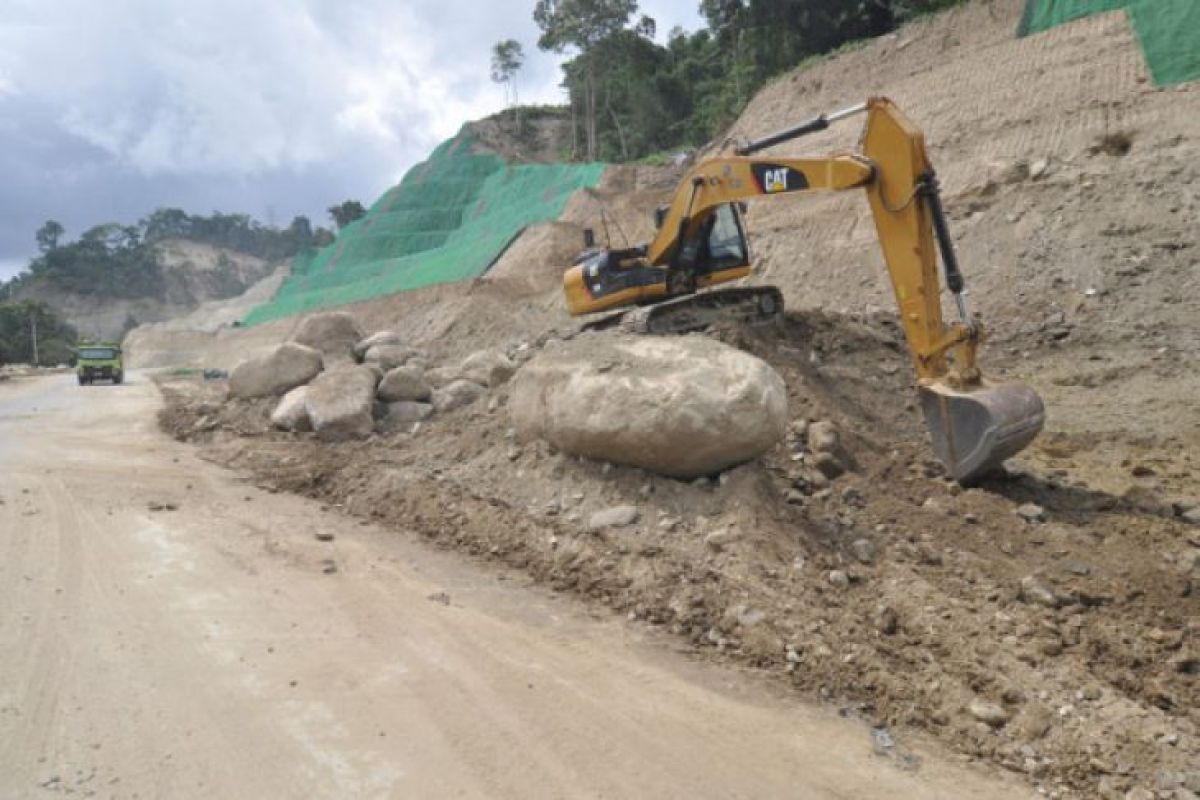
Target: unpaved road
pixel 204 651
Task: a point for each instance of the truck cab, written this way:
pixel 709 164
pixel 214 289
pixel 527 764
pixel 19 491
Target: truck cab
pixel 99 361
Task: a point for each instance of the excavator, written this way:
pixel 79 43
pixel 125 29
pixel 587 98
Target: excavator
pixel 656 287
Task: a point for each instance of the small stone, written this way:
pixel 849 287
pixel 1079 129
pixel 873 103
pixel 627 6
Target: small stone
pixel 1191 516
pixel 970 519
pixel 439 597
pixel 822 437
pixel 1051 648
pixel 1139 793
pixel 887 621
pixel 749 617
pixel 1033 590
pixel 1039 169
pixel 324 536
pixel 722 537
pixel 329 567
pixel 1077 568
pixel 456 394
pixel 838 578
pixel 1034 722
pixel 1031 512
pixel 863 550
pixel 614 517
pixel 989 714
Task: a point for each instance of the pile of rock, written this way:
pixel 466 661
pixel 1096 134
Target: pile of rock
pixel 342 385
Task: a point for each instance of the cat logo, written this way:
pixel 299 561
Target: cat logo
pixel 775 180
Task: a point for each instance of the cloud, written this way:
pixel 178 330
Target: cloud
pixel 108 110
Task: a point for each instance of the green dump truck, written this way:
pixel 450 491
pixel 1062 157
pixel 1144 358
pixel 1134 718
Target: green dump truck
pixel 96 361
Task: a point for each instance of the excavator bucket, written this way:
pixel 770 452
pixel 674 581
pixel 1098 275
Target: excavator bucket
pixel 974 431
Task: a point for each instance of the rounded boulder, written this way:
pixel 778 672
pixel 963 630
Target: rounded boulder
pixel 282 369
pixel 679 406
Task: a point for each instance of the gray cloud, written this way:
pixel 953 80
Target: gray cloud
pixel 273 108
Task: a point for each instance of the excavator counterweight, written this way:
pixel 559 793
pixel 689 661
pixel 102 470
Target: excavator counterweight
pixel 701 243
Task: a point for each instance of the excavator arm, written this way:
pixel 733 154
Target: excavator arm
pixel 701 243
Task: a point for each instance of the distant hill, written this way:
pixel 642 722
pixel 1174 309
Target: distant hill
pixel 115 277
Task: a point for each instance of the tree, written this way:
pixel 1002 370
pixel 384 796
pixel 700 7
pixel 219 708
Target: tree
pixel 48 235
pixel 582 25
pixel 346 212
pixel 19 321
pixel 301 233
pixel 507 58
pixel 166 223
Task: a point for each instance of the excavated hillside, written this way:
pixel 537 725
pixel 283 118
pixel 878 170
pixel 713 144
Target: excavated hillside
pixel 193 274
pixel 1044 622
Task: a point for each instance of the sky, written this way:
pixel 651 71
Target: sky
pixel 112 108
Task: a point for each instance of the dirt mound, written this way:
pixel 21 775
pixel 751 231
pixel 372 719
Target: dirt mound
pixel 1057 641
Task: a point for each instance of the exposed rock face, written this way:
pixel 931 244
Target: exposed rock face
pixel 287 366
pixel 334 333
pixel 389 356
pixel 377 338
pixel 291 413
pixel 340 403
pixel 456 394
pixel 404 383
pixel 682 406
pixel 488 367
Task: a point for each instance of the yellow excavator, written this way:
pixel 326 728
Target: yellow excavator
pixel 701 242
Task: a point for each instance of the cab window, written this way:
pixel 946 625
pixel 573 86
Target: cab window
pixel 726 245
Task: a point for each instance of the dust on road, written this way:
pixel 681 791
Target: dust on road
pixel 170 632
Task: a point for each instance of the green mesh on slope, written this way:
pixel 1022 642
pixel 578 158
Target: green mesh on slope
pixel 1168 30
pixel 447 220
pixel 1042 15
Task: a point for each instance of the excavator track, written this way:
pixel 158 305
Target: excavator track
pixel 749 305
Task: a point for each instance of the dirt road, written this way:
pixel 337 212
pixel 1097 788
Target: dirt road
pixel 170 632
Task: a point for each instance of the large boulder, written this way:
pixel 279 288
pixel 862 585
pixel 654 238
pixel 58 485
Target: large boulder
pixel 287 366
pixel 679 406
pixel 488 367
pixel 334 333
pixel 341 403
pixel 291 414
pixel 379 337
pixel 456 394
pixel 403 383
pixel 389 356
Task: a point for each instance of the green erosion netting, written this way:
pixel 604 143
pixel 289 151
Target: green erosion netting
pixel 447 220
pixel 1169 30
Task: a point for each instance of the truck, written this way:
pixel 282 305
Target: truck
pixel 99 361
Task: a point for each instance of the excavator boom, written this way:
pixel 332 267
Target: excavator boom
pixel 701 242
